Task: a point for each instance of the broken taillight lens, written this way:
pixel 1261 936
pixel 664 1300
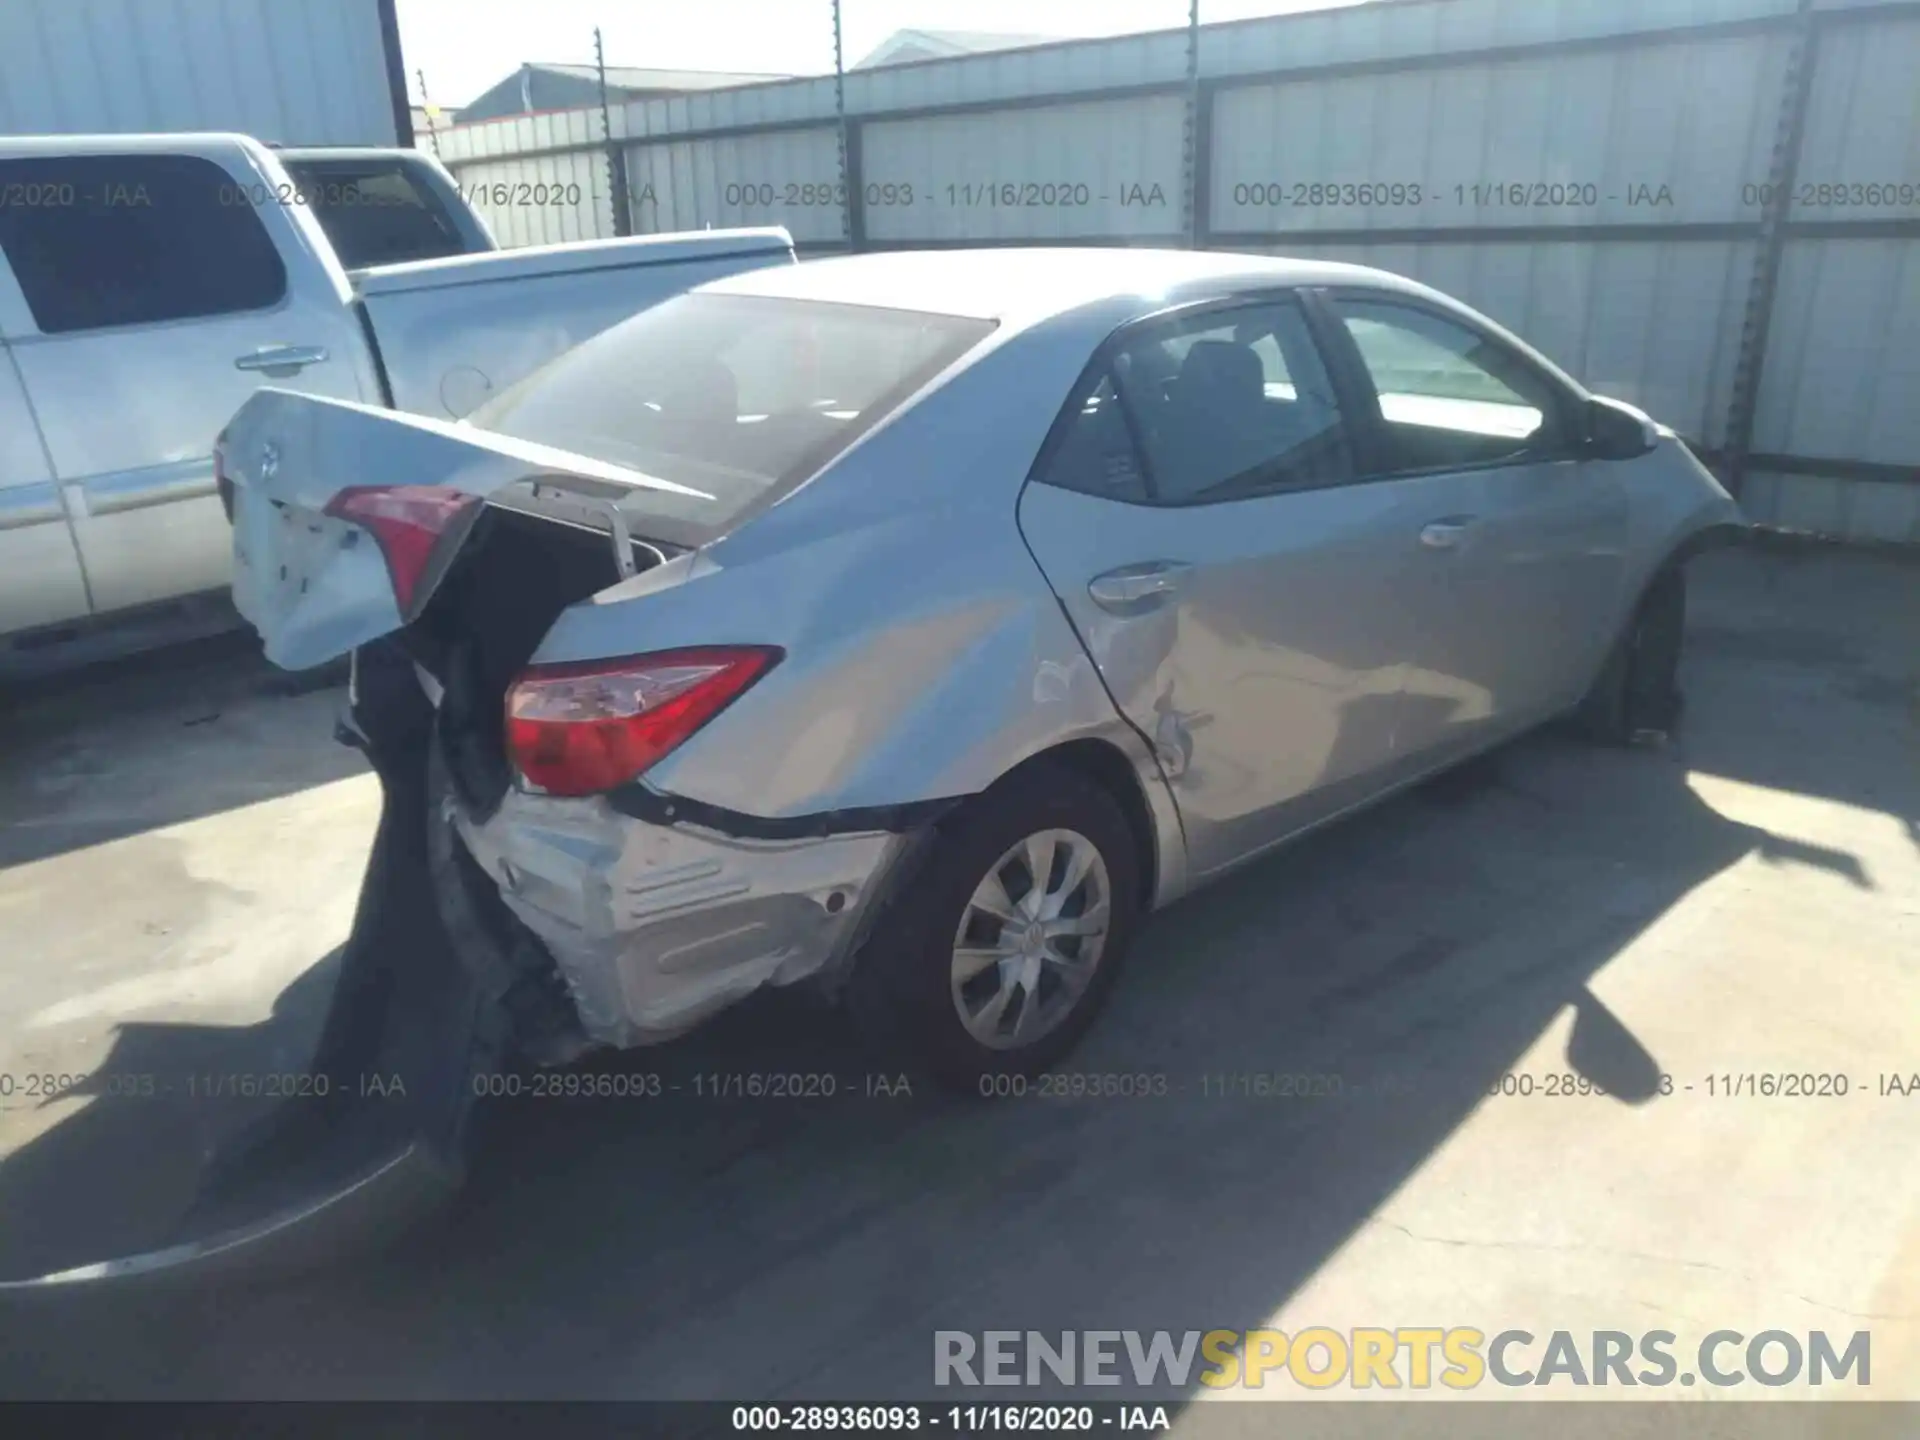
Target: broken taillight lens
pixel 407 522
pixel 580 729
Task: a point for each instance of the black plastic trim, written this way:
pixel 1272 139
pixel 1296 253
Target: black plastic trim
pixel 373 349
pixel 1713 537
pixel 1353 387
pixel 639 802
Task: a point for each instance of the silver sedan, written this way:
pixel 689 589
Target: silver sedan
pixel 912 625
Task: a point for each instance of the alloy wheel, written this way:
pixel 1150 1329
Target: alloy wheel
pixel 1030 938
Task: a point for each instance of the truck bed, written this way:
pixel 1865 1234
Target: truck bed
pixel 454 332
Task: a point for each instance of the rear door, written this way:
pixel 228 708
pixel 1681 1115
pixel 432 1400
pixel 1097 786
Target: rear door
pixel 1521 541
pixel 1244 600
pixel 163 286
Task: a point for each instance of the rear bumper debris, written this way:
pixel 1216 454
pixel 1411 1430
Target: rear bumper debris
pixel 383 1200
pixel 655 927
pixel 406 1039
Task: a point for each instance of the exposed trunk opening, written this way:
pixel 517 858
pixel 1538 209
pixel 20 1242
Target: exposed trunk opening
pixel 513 577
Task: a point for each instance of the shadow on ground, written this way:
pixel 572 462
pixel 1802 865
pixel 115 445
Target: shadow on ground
pixel 105 751
pixel 688 1243
pixel 683 1244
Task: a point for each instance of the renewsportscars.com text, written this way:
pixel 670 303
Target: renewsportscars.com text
pixel 1415 1358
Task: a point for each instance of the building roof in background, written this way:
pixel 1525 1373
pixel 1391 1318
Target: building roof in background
pixel 542 85
pixel 906 45
pixel 518 93
pixel 628 77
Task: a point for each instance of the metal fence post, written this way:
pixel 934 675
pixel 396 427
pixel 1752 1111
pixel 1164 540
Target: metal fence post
pixel 1190 155
pixel 853 217
pixel 1776 201
pixel 426 108
pixel 616 155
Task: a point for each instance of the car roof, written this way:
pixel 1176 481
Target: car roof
pixel 1024 285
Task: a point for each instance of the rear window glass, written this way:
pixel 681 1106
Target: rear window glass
pixel 735 396
pixel 376 212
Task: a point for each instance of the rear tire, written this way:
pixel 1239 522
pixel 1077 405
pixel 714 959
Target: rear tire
pixel 950 945
pixel 1637 692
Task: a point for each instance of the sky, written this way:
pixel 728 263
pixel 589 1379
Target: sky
pixel 465 46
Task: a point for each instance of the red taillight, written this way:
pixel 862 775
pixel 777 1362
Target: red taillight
pixel 407 521
pixel 581 729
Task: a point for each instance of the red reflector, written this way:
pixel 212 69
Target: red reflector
pixel 407 521
pixel 584 728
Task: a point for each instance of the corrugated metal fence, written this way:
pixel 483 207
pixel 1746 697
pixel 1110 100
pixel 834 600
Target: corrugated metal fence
pixel 1710 208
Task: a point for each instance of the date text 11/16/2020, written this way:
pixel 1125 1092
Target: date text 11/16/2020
pixel 699 1085
pixel 965 195
pixel 574 1085
pixel 800 195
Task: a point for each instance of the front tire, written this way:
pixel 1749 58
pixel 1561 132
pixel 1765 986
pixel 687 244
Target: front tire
pixel 1637 692
pixel 995 957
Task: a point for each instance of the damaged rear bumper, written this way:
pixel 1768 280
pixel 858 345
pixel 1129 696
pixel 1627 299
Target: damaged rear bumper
pixel 656 925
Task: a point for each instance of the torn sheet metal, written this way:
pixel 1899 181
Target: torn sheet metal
pixel 654 928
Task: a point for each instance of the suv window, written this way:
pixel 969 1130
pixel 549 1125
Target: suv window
pixel 1449 396
pixel 376 212
pixel 99 240
pixel 1224 405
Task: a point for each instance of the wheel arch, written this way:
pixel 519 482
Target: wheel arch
pixel 1674 559
pixel 1159 844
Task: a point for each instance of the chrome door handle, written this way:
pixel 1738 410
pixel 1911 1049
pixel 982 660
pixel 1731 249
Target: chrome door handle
pixel 1446 534
pixel 1131 585
pixel 282 359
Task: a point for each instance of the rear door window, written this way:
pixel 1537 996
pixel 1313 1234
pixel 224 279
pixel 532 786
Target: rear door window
pixel 1096 454
pixel 97 241
pixel 1215 407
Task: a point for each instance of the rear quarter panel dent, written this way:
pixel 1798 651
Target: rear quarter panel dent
pixel 919 667
pixel 916 669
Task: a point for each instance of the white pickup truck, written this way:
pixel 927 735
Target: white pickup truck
pixel 148 284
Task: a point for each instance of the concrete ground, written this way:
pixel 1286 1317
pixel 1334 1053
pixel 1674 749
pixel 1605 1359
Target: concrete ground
pixel 181 852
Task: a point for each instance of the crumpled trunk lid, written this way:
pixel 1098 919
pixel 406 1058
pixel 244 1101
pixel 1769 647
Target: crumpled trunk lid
pixel 316 586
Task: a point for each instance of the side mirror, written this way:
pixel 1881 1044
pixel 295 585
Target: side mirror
pixel 1617 431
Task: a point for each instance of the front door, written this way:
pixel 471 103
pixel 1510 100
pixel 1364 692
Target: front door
pixel 1242 598
pixel 1521 542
